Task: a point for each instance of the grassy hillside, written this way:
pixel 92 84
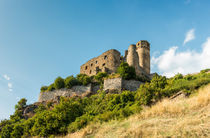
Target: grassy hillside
pixel 180 118
pixel 73 114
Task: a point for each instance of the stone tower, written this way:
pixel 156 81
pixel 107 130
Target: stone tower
pixel 143 50
pixel 137 56
pixel 132 59
pixel 132 56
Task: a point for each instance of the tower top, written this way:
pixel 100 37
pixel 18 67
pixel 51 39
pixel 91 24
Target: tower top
pixel 143 44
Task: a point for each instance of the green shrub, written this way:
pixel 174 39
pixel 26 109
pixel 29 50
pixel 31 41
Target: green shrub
pixel 44 88
pixel 79 123
pixel 70 82
pixel 72 114
pixel 126 72
pixel 178 76
pixel 143 78
pixel 83 79
pixel 6 131
pixel 100 77
pixel 21 104
pixel 40 108
pixel 189 77
pixel 51 87
pixel 204 71
pixel 59 83
pixel 17 131
pixel 144 95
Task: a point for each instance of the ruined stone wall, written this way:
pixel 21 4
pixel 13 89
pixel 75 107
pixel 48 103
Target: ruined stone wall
pixel 131 85
pixel 109 84
pixel 75 90
pixel 120 84
pixel 137 56
pixel 108 62
pixel 115 83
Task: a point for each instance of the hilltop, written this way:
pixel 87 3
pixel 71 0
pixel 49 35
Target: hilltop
pixel 119 112
pixel 185 117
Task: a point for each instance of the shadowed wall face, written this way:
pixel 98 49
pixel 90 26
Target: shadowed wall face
pixel 108 62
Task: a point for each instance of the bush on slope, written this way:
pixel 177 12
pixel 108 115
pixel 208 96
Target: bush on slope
pixel 75 113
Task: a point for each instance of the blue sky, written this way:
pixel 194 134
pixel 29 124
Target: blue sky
pixel 43 39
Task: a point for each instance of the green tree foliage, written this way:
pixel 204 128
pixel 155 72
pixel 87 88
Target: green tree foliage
pixel 21 104
pixel 178 76
pixel 70 82
pixel 44 88
pixel 152 91
pixel 72 114
pixel 59 83
pixel 83 79
pixel 100 77
pixel 17 131
pixel 57 120
pixel 51 87
pixel 126 72
pixel 6 131
pixel 204 71
pixel 144 94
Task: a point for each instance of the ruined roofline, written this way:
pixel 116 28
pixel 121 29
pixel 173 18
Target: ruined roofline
pixel 92 59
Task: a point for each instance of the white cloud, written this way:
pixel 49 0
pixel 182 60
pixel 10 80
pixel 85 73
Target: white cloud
pixel 172 62
pixel 10 87
pixel 190 35
pixel 6 77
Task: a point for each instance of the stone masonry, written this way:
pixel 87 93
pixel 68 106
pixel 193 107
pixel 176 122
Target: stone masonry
pixel 137 55
pixel 107 62
pixel 117 84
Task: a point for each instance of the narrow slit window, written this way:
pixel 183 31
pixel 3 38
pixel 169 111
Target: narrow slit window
pixel 105 57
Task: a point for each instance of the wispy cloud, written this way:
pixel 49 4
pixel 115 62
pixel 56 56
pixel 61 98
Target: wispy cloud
pixel 10 86
pixel 190 35
pixel 172 62
pixel 6 77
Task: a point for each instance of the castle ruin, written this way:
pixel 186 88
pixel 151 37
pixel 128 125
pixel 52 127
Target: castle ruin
pixel 137 56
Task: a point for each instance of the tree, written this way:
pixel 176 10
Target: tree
pixel 21 104
pixel 83 79
pixel 44 88
pixel 126 72
pixel 59 83
pixel 144 94
pixel 17 131
pixel 100 77
pixel 51 87
pixel 70 82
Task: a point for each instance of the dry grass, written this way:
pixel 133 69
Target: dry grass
pixel 181 118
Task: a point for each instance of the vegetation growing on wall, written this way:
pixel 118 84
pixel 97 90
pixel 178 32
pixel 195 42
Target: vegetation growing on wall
pixel 124 71
pixel 72 114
